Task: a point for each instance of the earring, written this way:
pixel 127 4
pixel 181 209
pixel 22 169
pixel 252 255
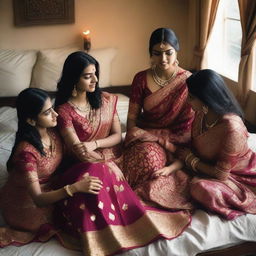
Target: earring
pixel 74 92
pixel 205 109
pixel 31 122
pixel 176 62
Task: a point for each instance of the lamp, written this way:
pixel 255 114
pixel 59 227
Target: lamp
pixel 87 40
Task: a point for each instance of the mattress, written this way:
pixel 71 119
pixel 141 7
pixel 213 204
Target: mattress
pixel 206 231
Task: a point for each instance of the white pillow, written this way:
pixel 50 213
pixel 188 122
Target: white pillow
pixel 48 67
pixel 15 70
pixel 104 56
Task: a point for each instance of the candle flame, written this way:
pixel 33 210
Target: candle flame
pixel 87 32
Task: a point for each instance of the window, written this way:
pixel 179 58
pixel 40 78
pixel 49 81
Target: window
pixel 224 48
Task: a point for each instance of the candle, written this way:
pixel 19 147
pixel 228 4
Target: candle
pixel 87 40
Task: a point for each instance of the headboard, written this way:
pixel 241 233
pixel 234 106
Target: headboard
pixel 120 89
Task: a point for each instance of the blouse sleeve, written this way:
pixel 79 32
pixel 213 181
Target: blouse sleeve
pixel 137 95
pixel 64 118
pixel 233 145
pixel 137 88
pixel 26 164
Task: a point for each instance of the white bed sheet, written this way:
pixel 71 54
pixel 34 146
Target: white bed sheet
pixel 205 232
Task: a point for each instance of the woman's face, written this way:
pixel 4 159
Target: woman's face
pixel 195 103
pixel 88 80
pixel 163 56
pixel 47 117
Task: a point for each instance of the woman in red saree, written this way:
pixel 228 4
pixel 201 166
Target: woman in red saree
pixel 159 117
pixel 26 200
pixel 220 157
pixel 113 220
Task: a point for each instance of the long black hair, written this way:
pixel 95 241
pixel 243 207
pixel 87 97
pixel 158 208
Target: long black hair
pixel 165 35
pixel 209 87
pixel 29 104
pixel 73 68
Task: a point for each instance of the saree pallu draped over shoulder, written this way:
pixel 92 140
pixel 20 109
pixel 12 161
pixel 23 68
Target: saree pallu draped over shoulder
pixel 97 127
pixel 165 120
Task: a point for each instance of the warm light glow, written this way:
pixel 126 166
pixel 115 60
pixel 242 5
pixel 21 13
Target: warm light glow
pixel 86 33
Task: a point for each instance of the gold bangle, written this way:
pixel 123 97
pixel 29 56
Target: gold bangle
pixel 68 190
pixel 194 162
pixel 187 157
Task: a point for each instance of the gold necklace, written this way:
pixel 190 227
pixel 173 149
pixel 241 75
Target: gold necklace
pixel 85 109
pixel 50 149
pixel 163 82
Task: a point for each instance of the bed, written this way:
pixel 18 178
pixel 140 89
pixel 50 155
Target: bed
pixel 207 235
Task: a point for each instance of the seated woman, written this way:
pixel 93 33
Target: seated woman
pixel 113 220
pixel 26 200
pixel 159 117
pixel 220 157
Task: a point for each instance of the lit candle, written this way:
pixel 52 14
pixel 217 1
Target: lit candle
pixel 87 40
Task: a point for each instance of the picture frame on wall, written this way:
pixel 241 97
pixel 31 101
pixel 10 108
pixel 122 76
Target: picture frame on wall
pixel 43 12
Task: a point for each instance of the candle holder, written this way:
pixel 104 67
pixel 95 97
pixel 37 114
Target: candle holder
pixel 87 40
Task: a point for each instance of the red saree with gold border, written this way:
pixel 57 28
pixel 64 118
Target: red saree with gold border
pixel 165 115
pixel 112 221
pixel 225 146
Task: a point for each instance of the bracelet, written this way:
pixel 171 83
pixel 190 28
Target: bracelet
pixel 187 157
pixel 194 162
pixel 96 142
pixel 68 190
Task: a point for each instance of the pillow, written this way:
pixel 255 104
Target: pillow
pixel 15 70
pixel 104 56
pixel 48 67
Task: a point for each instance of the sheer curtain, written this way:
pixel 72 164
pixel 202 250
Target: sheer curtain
pixel 248 22
pixel 205 14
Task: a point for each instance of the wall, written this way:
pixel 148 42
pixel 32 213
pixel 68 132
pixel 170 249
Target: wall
pixel 124 24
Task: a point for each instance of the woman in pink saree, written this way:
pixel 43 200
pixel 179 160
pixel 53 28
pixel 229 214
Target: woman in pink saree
pixel 220 157
pixel 27 198
pixel 158 118
pixel 112 220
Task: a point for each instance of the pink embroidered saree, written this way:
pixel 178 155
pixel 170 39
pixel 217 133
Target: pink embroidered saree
pixel 225 147
pixel 166 116
pixel 27 222
pixel 113 220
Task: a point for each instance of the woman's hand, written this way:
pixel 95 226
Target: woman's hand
pixel 85 153
pixel 84 147
pixel 89 184
pixel 167 170
pixel 116 170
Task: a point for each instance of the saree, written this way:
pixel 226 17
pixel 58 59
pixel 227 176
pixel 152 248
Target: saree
pixel 26 221
pixel 97 128
pixel 225 147
pixel 114 220
pixel 165 120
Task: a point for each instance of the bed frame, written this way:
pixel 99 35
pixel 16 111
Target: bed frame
pixel 243 249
